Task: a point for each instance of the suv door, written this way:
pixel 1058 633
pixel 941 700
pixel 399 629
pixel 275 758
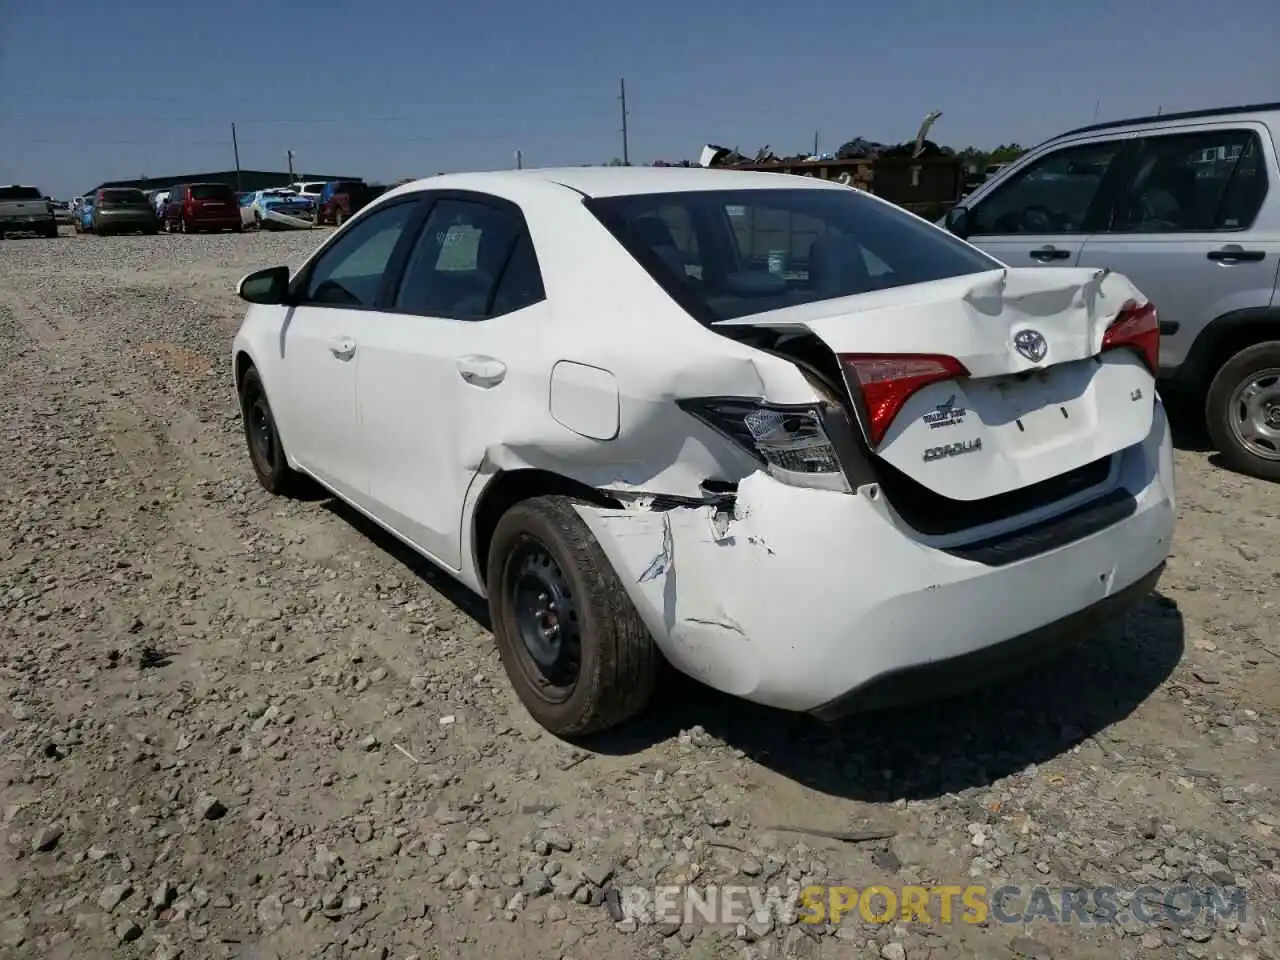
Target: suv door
pixel 457 361
pixel 1041 213
pixel 334 308
pixel 1186 229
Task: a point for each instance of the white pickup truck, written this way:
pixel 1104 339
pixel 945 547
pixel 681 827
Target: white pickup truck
pixel 26 210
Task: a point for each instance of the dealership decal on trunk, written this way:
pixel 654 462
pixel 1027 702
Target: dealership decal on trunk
pixel 953 449
pixel 945 414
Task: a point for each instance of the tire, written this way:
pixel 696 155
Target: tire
pixel 266 449
pixel 617 662
pixel 238 228
pixel 182 225
pixel 1225 410
pixel 339 218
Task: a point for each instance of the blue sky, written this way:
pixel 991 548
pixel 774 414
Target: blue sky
pixel 391 88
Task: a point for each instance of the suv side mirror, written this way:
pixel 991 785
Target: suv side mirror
pixel 269 287
pixel 958 221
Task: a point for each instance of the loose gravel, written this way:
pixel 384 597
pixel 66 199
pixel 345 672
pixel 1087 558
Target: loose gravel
pixel 238 726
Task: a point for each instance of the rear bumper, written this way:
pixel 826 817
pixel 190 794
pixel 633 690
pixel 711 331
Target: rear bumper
pixel 816 601
pixel 134 219
pixel 958 674
pixel 28 221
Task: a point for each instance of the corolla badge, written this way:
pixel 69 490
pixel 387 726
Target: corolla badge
pixel 1031 344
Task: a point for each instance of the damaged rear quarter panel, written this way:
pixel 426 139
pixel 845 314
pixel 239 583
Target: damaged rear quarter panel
pixel 691 576
pixel 645 353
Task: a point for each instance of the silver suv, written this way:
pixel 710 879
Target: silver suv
pixel 1187 206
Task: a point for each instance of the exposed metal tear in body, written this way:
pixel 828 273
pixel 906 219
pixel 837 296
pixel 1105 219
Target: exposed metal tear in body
pixel 662 561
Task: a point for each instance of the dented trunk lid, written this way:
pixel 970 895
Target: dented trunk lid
pixel 1013 421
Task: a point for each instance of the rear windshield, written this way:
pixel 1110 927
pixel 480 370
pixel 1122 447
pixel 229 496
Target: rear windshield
pixel 732 253
pixel 312 188
pixel 20 193
pixel 211 191
pixel 124 196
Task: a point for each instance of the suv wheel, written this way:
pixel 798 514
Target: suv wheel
pixel 1243 411
pixel 574 648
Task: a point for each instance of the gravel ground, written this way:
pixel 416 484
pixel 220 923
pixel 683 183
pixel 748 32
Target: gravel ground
pixel 236 726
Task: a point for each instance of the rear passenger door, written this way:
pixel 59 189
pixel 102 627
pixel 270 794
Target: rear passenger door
pixel 1042 213
pixel 1196 228
pixel 455 361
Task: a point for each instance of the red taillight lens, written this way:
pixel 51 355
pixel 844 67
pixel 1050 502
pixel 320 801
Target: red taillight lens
pixel 1136 328
pixel 888 380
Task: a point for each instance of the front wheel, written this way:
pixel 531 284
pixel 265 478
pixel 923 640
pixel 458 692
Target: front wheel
pixel 1242 411
pixel 573 646
pixel 266 450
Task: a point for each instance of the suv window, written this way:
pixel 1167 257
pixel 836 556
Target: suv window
pixel 20 193
pixel 768 249
pixel 1194 183
pixel 349 273
pixel 1053 195
pixel 212 191
pixel 470 260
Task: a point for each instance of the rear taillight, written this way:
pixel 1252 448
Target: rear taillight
pixel 788 441
pixel 1137 328
pixel 888 380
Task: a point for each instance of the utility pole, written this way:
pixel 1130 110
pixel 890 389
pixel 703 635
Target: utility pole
pixel 519 159
pixel 815 142
pixel 291 155
pixel 235 146
pixel 1096 107
pixel 622 96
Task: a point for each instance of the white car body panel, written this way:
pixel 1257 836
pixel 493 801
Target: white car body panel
pixel 1071 410
pixel 424 412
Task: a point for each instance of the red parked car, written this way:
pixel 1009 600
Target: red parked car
pixel 194 207
pixel 340 199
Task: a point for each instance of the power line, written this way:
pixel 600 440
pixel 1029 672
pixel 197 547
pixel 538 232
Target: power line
pixel 201 142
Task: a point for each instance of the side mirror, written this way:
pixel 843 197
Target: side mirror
pixel 269 287
pixel 958 221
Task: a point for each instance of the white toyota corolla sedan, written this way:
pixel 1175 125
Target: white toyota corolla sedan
pixel 808 448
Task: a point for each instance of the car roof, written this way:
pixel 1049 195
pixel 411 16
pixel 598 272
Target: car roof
pixel 619 181
pixel 1183 118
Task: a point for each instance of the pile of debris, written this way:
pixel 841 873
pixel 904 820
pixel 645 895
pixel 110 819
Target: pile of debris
pixel 855 149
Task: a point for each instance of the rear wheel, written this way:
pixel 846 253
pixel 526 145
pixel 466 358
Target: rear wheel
pixel 266 450
pixel 1242 411
pixel 578 655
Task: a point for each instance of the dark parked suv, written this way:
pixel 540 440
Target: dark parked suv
pixel 194 207
pixel 123 210
pixel 339 200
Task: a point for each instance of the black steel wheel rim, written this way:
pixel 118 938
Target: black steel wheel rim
pixel 545 615
pixel 257 418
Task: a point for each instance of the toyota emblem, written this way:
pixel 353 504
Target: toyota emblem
pixel 1031 344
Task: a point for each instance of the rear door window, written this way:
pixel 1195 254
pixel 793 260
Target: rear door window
pixel 471 260
pixel 1194 183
